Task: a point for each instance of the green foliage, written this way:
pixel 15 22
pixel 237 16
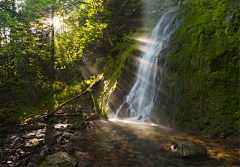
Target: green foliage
pixel 43 164
pixel 113 69
pixel 236 125
pixel 25 53
pixel 79 125
pixel 84 26
pixel 53 119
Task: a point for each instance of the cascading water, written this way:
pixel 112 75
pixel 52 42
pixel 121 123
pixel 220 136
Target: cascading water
pixel 142 96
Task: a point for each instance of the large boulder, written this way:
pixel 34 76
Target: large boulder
pixel 188 149
pixel 61 159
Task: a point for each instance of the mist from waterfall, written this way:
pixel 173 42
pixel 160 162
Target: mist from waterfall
pixel 142 96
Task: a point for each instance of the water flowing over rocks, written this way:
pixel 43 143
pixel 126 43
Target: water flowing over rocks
pixel 141 98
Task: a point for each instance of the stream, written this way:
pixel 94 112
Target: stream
pixel 131 143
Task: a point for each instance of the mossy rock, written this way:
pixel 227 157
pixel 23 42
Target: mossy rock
pixel 236 125
pixel 204 61
pixel 79 125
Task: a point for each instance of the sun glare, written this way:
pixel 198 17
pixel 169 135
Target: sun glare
pixel 57 22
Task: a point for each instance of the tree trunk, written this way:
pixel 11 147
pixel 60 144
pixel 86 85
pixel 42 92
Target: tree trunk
pixel 52 48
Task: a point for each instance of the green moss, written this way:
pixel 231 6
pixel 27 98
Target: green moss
pixel 43 164
pixel 204 78
pixel 114 69
pixel 236 125
pixel 79 125
pixel 53 119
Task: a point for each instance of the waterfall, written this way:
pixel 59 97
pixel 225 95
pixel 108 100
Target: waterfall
pixel 142 96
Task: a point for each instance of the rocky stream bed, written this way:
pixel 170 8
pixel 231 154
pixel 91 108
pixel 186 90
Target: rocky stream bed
pixel 96 141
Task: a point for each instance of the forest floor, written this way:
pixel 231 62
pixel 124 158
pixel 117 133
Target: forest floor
pixel 92 140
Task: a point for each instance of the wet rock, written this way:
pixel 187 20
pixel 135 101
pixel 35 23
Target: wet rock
pixel 162 56
pixel 45 147
pixel 136 152
pixel 57 135
pixel 35 160
pixel 9 158
pixel 66 135
pixel 37 143
pixel 151 156
pixel 175 48
pixel 26 148
pixel 29 127
pixel 123 111
pixel 140 157
pixel 61 159
pixel 40 136
pixel 72 131
pixel 56 149
pixel 62 141
pixel 37 149
pixel 28 136
pixel 157 162
pixel 71 150
pixel 121 151
pixel 71 139
pixel 50 127
pixel 43 153
pixel 5 151
pixel 24 155
pixel 140 117
pixel 9 163
pixel 164 163
pixel 188 149
pixel 129 150
pixel 1 143
pixel 39 127
pixel 150 162
pixel 53 142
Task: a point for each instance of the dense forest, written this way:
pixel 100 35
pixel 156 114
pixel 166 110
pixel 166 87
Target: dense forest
pixel 119 82
pixel 43 44
pixel 52 50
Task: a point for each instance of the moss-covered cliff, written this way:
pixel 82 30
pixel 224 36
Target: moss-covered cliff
pixel 200 85
pixel 200 89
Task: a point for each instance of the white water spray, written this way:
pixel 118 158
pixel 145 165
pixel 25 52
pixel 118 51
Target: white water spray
pixel 142 96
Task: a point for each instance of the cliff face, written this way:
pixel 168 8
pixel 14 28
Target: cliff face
pixel 200 89
pixel 200 85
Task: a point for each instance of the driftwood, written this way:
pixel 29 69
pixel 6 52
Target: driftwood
pixel 51 114
pixel 71 115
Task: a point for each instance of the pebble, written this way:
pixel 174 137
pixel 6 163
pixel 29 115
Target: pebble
pixel 28 136
pixel 151 156
pixel 164 163
pixel 66 135
pixel 39 127
pixel 140 157
pixel 40 136
pixel 71 139
pixel 136 152
pixel 129 150
pixel 121 151
pixel 24 155
pixel 57 135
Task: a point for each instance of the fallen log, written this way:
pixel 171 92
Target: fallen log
pixel 71 115
pixel 88 90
